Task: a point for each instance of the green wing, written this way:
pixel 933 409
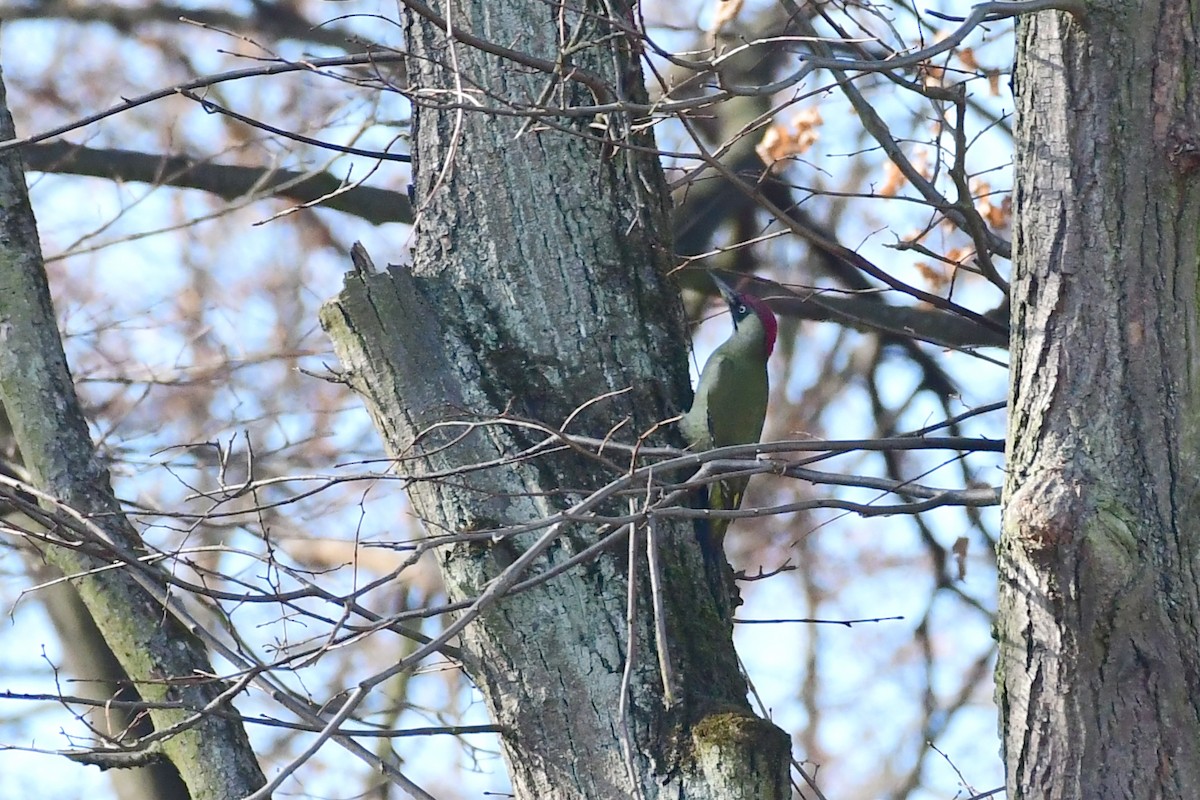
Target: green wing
pixel 737 402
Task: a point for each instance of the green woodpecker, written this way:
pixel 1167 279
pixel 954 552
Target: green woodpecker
pixel 729 408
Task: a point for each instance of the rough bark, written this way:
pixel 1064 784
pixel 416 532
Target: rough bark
pixel 212 754
pixel 538 284
pixel 1099 672
pixel 88 658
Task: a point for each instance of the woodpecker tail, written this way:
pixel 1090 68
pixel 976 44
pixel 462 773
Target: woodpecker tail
pixel 710 535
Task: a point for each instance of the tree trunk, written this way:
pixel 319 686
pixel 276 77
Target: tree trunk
pixel 155 650
pixel 538 285
pixel 1098 679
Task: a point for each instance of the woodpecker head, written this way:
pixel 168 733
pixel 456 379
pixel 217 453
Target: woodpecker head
pixel 751 316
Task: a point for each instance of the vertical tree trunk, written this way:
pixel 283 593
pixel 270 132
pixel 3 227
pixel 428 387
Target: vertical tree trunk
pixel 155 650
pixel 539 285
pixel 1099 672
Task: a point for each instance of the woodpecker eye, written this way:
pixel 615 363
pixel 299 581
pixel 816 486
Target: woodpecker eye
pixel 742 310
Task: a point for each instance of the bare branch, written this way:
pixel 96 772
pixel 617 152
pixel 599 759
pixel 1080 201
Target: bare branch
pixel 227 181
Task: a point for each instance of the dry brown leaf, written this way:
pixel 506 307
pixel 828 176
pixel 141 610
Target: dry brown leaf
pixel 770 149
pixel 931 75
pixel 958 255
pixel 994 82
pixel 936 275
pixel 725 12
pixel 998 216
pixel 781 141
pixel 967 57
pixel 920 162
pixel 960 556
pixel 807 118
pixel 893 180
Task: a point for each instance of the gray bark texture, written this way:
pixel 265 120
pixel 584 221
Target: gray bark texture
pixel 539 283
pixel 155 651
pixel 87 657
pixel 1098 679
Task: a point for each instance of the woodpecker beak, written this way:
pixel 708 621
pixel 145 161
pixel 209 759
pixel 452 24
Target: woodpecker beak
pixel 727 292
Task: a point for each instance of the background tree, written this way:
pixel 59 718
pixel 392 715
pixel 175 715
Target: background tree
pixel 850 157
pixel 1098 671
